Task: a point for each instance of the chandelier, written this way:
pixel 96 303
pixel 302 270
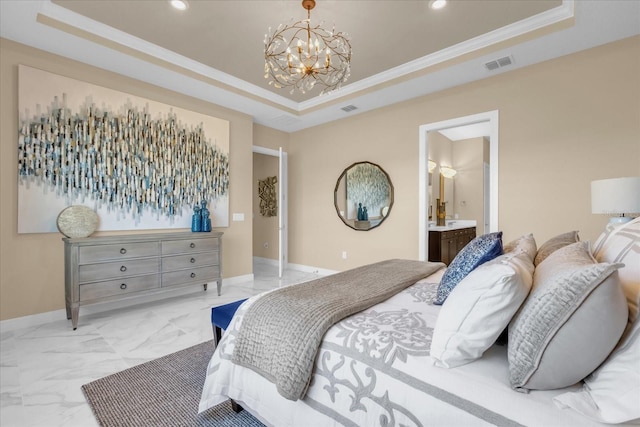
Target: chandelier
pixel 301 56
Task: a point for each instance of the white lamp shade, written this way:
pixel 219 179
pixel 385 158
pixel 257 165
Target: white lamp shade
pixel 616 196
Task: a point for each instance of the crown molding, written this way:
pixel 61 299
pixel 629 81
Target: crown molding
pixel 80 22
pixel 87 25
pixel 553 16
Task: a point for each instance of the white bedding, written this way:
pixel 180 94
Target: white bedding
pixel 374 369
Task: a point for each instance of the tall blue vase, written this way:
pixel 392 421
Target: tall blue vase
pixel 204 213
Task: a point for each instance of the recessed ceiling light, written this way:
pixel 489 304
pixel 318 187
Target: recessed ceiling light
pixel 437 4
pixel 179 4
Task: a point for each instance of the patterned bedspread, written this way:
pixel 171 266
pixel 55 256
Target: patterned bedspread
pixel 283 329
pixel 373 369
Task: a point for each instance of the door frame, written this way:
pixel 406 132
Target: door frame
pixel 283 253
pixel 423 157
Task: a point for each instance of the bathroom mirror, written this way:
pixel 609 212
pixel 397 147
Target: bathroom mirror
pixel 363 196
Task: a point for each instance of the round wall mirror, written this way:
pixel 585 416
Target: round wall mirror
pixel 363 196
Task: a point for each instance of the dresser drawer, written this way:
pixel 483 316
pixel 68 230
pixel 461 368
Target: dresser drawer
pixel 123 286
pixel 194 275
pixel 172 247
pixel 117 269
pixel 181 262
pixel 89 254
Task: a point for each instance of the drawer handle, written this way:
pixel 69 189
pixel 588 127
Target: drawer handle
pixel 123 286
pixel 123 251
pixel 193 275
pixel 193 260
pixel 192 245
pixel 123 268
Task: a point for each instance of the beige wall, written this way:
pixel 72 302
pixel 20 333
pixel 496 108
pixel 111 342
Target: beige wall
pixel 270 138
pixel 31 265
pixel 265 228
pixel 563 123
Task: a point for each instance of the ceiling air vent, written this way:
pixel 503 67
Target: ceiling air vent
pixel 349 108
pixel 499 63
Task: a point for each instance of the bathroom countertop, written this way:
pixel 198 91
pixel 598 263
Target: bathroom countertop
pixel 454 224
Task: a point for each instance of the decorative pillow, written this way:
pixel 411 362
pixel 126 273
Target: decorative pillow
pixel 524 243
pixel 570 322
pixel 612 393
pixel 621 243
pixel 479 308
pixel 555 243
pixel 478 251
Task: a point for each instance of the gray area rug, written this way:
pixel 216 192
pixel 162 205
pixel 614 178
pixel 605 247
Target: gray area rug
pixel 163 392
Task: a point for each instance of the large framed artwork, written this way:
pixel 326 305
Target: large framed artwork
pixel 139 164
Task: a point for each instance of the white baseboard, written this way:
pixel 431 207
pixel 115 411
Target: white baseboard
pixel 311 269
pixel 265 261
pixel 298 267
pixel 237 280
pixel 57 315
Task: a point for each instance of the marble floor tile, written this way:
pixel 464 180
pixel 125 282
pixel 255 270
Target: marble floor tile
pixel 42 368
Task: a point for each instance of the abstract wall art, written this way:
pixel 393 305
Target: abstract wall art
pixel 138 163
pixel 268 197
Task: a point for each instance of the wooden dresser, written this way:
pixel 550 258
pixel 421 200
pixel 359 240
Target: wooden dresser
pixel 99 269
pixel 445 245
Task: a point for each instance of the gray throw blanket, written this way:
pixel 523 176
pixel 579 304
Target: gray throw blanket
pixel 281 331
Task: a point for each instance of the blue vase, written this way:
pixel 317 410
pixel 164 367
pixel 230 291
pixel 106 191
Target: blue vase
pixel 204 213
pixel 196 219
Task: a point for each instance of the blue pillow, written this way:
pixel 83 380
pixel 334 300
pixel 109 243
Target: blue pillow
pixel 478 251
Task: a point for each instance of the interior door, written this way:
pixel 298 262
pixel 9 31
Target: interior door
pixel 282 214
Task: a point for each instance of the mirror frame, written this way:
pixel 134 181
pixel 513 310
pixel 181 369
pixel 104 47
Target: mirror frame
pixel 344 176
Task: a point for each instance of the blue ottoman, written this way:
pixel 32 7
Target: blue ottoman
pixel 221 317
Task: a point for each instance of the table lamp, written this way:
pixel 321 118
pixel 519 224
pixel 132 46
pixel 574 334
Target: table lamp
pixel 617 197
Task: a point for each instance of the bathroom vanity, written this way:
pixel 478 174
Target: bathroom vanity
pixel 446 241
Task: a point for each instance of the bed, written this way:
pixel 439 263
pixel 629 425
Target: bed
pixel 394 364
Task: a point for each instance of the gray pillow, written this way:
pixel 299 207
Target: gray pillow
pixel 555 243
pixel 571 321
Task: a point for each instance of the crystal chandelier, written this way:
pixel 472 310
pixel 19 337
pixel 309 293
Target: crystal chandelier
pixel 301 56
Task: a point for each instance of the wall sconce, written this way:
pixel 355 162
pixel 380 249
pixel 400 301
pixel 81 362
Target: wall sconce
pixel 616 197
pixel 448 172
pixel 432 166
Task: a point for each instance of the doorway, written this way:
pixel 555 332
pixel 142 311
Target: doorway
pixel 491 118
pixel 279 226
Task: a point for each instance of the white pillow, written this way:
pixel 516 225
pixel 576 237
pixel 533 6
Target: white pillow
pixel 479 308
pixel 621 243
